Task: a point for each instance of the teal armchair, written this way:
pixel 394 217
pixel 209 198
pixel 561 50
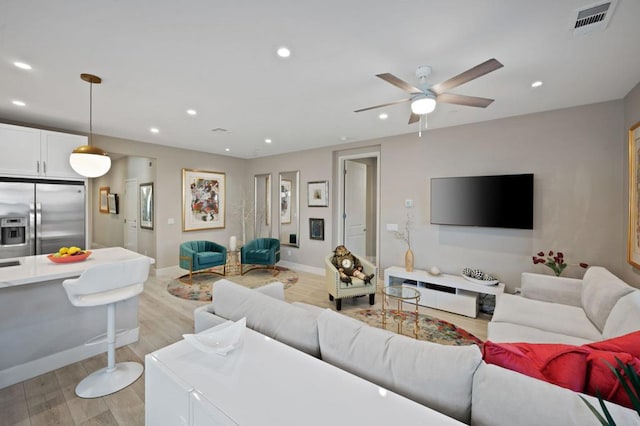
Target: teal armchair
pixel 199 255
pixel 261 251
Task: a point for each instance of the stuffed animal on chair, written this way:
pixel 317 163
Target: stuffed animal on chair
pixel 348 266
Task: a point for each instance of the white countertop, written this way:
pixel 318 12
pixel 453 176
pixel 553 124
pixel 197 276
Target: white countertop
pixel 34 269
pixel 267 382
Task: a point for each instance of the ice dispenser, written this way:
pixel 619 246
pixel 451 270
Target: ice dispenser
pixel 13 230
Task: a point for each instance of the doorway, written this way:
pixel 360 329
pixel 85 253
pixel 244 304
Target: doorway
pixel 358 204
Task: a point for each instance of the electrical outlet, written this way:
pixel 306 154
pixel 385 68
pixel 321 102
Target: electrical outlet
pixel 288 252
pixel 171 221
pixel 408 203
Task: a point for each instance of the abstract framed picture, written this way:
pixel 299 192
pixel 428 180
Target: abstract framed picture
pixel 633 232
pixel 285 201
pixel 104 199
pixel 316 229
pixel 318 194
pixel 146 205
pixel 203 200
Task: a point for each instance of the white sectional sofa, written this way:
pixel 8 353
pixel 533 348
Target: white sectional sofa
pixel 451 379
pixel 566 310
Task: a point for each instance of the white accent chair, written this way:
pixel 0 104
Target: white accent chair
pixel 107 285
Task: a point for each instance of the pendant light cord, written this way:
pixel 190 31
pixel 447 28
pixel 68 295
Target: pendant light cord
pixel 90 112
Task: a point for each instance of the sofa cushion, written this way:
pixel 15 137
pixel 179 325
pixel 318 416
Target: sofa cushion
pixel 437 376
pixel 562 365
pixel 629 343
pixel 503 397
pixel 507 332
pixel 601 291
pixel 552 317
pixel 602 381
pixel 277 319
pixel 624 317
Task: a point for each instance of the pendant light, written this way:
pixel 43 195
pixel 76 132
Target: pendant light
pixel 87 160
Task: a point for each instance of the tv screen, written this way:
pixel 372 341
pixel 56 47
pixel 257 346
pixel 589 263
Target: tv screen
pixel 504 201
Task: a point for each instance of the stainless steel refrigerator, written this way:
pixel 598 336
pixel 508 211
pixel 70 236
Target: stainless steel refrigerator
pixel 40 216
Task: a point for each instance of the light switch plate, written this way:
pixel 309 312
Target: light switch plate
pixel 392 226
pixel 408 203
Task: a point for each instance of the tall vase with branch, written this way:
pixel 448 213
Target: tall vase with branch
pixel 245 212
pixel 406 237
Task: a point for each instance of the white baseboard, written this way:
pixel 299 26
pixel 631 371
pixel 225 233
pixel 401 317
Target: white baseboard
pixel 28 370
pixel 301 267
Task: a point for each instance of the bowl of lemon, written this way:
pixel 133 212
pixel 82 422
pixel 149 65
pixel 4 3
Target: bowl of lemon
pixel 69 254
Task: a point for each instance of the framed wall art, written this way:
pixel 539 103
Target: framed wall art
pixel 285 201
pixel 112 201
pixel 203 200
pixel 633 233
pixel 104 199
pixel 316 229
pixel 318 194
pixel 146 205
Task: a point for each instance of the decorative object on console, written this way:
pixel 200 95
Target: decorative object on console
pixel 434 270
pixel 479 277
pixel 406 237
pixel 88 160
pixel 555 262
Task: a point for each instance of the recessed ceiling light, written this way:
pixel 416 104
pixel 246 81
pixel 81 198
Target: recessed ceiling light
pixel 227 149
pixel 154 130
pixel 19 103
pixel 192 112
pixel 284 52
pixel 536 84
pixel 22 65
pixel 267 140
pixel 383 116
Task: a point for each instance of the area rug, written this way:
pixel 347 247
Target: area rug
pixel 431 329
pixel 200 290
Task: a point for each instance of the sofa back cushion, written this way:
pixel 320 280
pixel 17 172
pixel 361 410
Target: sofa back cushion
pixel 601 291
pixel 434 375
pixel 277 319
pixel 624 317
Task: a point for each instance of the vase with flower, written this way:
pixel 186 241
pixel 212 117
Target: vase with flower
pixel 406 237
pixel 555 262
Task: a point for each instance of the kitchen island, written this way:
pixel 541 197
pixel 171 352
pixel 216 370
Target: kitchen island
pixel 40 330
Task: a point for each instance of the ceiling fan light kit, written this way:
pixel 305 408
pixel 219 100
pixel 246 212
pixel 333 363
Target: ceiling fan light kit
pixel 423 100
pixel 87 160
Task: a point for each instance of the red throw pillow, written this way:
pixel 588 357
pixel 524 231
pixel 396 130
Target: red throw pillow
pixel 562 365
pixel 601 380
pixel 629 343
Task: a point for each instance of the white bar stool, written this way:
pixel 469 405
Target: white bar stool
pixel 107 285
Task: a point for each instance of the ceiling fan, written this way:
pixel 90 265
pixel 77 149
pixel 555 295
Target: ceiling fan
pixel 423 100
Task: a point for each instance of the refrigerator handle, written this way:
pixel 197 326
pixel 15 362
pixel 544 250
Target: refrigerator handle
pixel 44 167
pixel 38 228
pixel 32 229
pixel 38 166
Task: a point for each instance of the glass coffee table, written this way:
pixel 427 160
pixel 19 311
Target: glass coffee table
pixel 403 294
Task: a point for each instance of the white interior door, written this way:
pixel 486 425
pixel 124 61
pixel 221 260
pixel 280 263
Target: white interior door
pixel 131 215
pixel 355 207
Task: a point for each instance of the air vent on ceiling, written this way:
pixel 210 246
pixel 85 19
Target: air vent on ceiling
pixel 219 130
pixel 594 17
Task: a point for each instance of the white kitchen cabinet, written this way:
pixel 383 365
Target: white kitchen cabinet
pixel 29 152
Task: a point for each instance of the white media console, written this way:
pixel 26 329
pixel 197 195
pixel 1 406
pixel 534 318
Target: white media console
pixel 451 293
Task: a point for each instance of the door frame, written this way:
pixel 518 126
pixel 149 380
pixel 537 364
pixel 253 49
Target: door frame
pixel 340 212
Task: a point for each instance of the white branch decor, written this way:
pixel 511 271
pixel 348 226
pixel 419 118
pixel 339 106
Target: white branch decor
pixel 406 234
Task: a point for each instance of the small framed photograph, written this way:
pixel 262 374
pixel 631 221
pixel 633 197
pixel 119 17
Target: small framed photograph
pixel 112 201
pixel 104 199
pixel 318 194
pixel 316 229
pixel 146 205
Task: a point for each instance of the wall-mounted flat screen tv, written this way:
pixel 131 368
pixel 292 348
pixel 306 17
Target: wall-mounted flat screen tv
pixel 504 201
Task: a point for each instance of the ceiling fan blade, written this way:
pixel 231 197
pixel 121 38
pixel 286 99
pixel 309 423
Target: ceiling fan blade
pixel 471 74
pixel 413 118
pixel 390 78
pixel 384 105
pixel 450 98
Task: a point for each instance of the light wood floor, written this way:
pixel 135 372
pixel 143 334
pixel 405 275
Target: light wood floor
pixel 49 399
